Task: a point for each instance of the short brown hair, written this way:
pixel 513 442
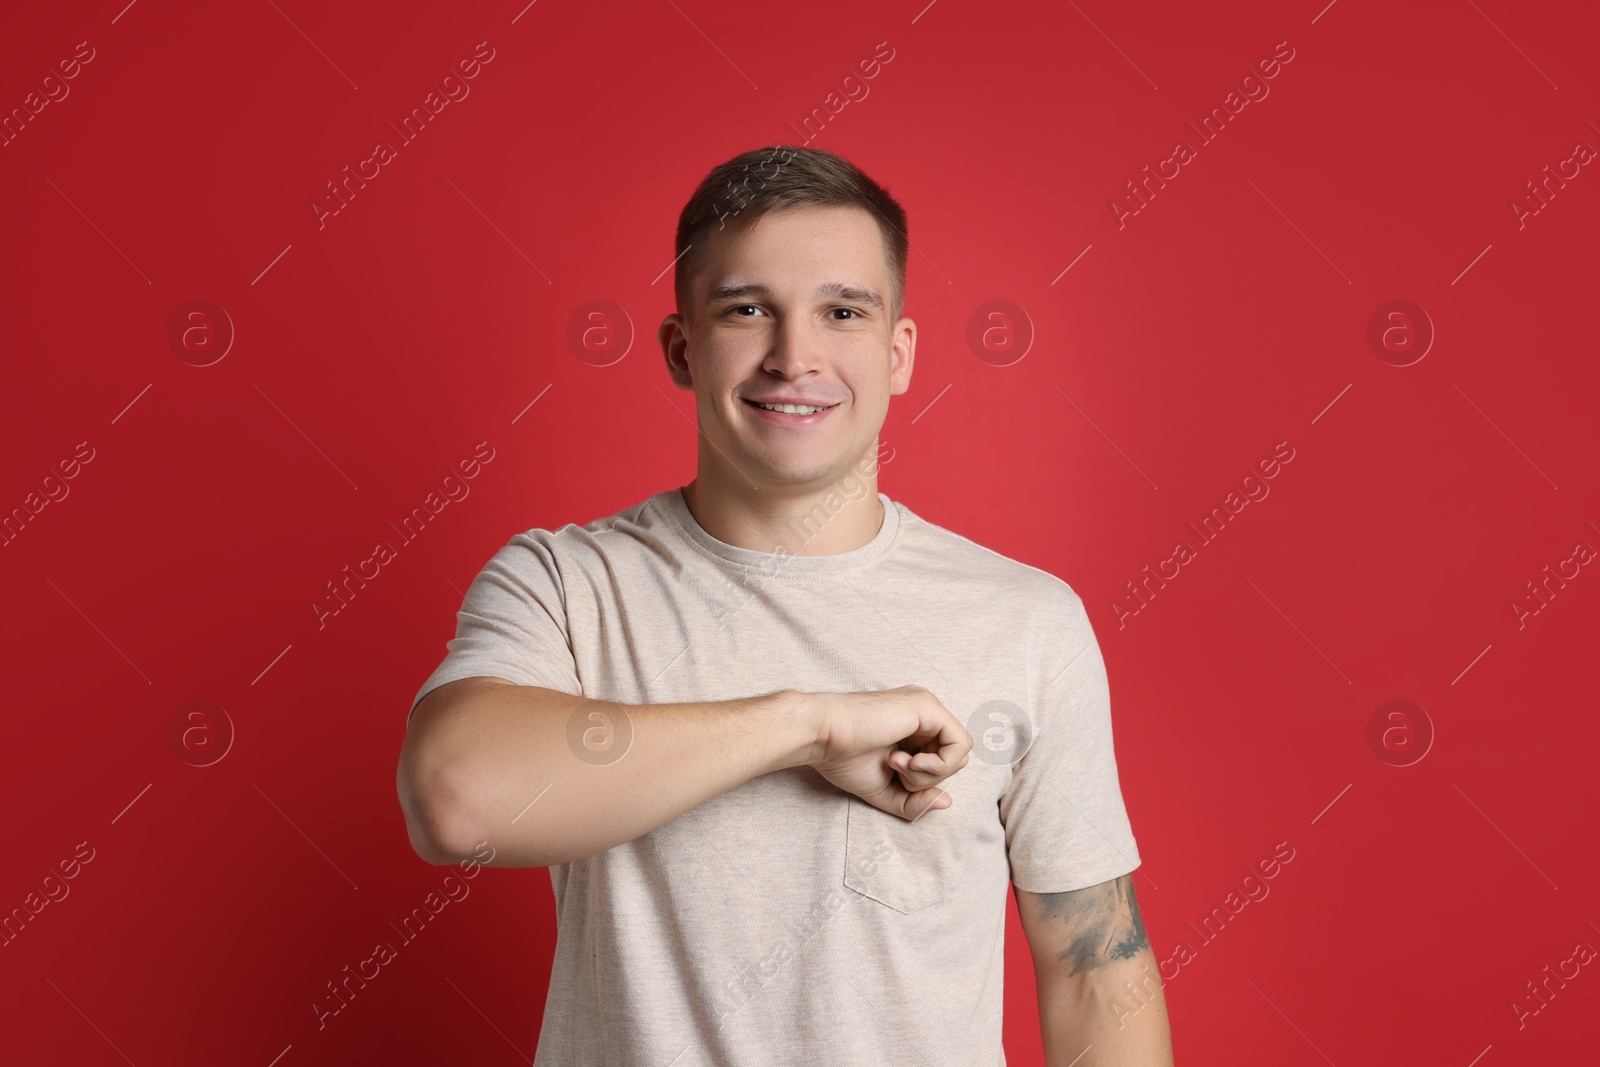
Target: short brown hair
pixel 754 183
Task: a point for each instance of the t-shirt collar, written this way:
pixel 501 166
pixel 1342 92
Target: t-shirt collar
pixel 788 559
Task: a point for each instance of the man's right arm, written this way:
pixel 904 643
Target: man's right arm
pixel 488 760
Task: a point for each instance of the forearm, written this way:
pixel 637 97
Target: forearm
pixel 507 764
pixel 1114 1015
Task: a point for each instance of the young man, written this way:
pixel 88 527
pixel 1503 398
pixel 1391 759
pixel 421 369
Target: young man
pixel 781 742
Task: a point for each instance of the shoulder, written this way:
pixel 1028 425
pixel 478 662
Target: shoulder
pixel 561 552
pixel 643 516
pixel 942 551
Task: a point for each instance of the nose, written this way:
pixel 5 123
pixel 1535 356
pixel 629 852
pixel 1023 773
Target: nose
pixel 791 354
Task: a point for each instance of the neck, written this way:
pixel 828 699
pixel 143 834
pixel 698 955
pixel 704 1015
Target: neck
pixel 840 516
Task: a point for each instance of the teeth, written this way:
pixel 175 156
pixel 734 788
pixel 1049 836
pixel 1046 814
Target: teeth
pixel 790 409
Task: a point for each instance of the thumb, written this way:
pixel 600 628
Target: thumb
pixel 916 805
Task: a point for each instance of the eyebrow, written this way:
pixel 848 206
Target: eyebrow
pixel 841 290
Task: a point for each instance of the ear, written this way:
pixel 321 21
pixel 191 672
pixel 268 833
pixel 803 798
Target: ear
pixel 903 354
pixel 674 338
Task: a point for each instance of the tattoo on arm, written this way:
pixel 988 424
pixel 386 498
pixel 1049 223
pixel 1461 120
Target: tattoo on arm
pixel 1098 924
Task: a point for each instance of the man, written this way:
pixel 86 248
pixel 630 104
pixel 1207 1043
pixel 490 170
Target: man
pixel 781 742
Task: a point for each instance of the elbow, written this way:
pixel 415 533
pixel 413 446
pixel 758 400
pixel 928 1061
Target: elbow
pixel 438 816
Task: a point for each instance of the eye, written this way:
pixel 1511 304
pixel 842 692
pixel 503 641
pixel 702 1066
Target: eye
pixel 854 313
pixel 740 307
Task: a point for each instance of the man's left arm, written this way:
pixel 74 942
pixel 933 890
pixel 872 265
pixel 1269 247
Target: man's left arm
pixel 1100 997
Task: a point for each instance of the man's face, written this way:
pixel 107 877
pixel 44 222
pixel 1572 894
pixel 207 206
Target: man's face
pixel 792 307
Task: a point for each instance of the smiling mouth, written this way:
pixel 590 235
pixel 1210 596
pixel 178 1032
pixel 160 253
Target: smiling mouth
pixel 778 408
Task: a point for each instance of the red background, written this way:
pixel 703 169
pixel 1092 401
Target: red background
pixel 373 353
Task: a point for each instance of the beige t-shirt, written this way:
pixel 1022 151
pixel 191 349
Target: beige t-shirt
pixel 787 921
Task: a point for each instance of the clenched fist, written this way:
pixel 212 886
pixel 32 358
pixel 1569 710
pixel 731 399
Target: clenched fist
pixel 889 747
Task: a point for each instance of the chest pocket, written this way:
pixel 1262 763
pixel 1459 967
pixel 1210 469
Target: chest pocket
pixel 901 864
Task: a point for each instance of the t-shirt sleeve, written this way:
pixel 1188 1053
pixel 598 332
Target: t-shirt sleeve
pixel 1065 824
pixel 512 623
